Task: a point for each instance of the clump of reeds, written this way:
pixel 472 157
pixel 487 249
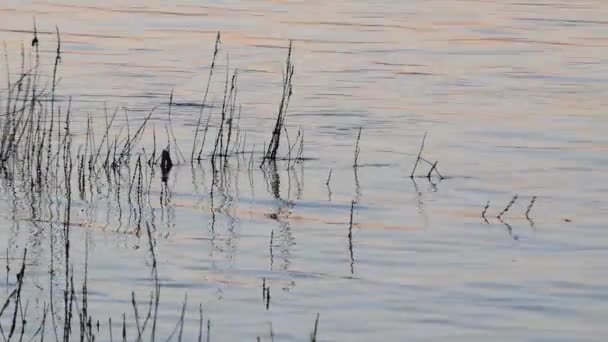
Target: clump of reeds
pixel 39 147
pixel 508 207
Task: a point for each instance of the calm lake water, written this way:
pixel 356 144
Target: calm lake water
pixel 513 97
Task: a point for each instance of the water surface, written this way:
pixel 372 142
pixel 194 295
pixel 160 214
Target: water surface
pixel 512 95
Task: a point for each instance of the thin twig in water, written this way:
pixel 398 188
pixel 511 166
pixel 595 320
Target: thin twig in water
pixel 181 319
pixel 357 149
pixel 313 336
pixel 419 154
pixel 483 213
pixel 198 124
pixel 504 211
pixel 530 207
pixel 327 184
pixel 136 313
pixel 179 152
pixel 428 175
pixel 208 330
pixel 110 329
pixel 528 211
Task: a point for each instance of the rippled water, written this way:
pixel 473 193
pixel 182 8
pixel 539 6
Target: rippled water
pixel 512 95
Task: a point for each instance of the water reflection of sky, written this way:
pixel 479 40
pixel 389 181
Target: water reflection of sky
pixel 512 95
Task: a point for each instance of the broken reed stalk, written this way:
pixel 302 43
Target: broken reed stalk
pixel 181 319
pixel 273 146
pixel 105 138
pixel 219 140
pixel 298 141
pixel 200 151
pixel 200 117
pixel 357 149
pixel 313 336
pixel 131 142
pixel 532 201
pixel 152 160
pixel 288 155
pixel 16 294
pixel 419 155
pixel 236 147
pixel 231 109
pixel 483 213
pixel 180 323
pixel 301 148
pixel 178 151
pixel 428 175
pixel 508 207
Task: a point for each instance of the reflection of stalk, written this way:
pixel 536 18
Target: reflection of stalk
pixel 200 323
pixel 67 169
pixel 271 253
pixel 17 295
pixel 156 283
pixel 509 228
pixel 350 238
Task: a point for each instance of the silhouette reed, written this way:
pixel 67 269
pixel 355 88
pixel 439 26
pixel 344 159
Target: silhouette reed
pixel 273 146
